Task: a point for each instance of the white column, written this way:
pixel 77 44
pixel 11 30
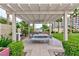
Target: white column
pixel 50 28
pixel 65 27
pixel 59 27
pixel 13 27
pixel 33 27
pixel 8 18
pixel 53 26
pixel 28 29
pixel 19 34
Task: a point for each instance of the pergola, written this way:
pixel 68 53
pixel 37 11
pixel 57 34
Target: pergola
pixel 39 13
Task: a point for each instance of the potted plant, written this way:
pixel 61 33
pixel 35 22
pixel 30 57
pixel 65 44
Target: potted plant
pixel 4 51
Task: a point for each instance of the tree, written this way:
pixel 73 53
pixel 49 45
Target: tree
pixel 45 28
pixel 31 29
pixel 71 22
pixel 75 14
pixel 58 21
pixel 3 20
pixel 23 26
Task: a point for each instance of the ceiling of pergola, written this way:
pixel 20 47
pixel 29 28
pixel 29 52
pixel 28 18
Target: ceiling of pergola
pixel 39 17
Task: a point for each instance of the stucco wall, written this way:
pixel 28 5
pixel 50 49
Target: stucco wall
pixel 5 30
pixel 56 30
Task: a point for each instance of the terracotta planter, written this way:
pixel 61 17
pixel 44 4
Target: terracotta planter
pixel 4 52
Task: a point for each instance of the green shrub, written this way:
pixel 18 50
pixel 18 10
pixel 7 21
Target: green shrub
pixel 71 47
pixel 16 48
pixel 4 41
pixel 68 30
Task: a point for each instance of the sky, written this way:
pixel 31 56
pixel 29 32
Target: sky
pixel 2 13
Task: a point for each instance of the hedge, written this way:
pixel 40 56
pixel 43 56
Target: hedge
pixel 71 47
pixel 16 48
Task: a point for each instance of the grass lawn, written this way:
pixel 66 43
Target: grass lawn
pixel 72 45
pixel 71 36
pixel 58 36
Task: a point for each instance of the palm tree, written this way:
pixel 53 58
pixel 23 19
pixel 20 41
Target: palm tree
pixel 23 26
pixel 31 29
pixel 58 21
pixel 75 14
pixel 71 22
pixel 45 28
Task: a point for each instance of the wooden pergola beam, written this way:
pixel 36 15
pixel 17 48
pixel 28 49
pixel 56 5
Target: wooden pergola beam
pixel 37 12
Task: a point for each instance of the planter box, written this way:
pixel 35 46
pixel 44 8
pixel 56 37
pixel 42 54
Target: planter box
pixel 4 52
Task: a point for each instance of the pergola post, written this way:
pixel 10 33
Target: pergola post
pixel 8 18
pixel 53 26
pixel 70 23
pixel 14 27
pixel 65 27
pixel 50 28
pixel 19 34
pixel 28 29
pixel 33 27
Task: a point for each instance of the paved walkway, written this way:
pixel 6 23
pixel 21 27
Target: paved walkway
pixel 53 48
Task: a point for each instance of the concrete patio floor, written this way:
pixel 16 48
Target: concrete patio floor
pixel 53 48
